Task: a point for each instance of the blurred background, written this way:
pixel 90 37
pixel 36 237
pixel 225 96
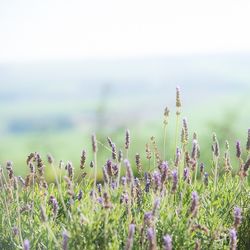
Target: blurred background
pixel 71 68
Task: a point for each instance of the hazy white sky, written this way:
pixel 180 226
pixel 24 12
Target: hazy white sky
pixel 49 29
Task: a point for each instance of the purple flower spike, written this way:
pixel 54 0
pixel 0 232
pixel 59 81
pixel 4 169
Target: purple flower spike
pixel 175 180
pixel 167 242
pixel 237 217
pixel 233 239
pixel 238 149
pixel 26 245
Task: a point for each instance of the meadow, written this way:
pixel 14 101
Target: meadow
pixel 124 192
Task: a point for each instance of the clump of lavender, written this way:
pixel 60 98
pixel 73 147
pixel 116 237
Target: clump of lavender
pixel 175 180
pixel 26 245
pixel 194 204
pixel 131 233
pixel 167 242
pixel 237 217
pixel 238 149
pixel 233 239
pixel 65 240
pixel 83 159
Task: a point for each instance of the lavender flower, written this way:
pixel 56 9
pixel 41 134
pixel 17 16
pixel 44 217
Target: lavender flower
pixel 186 174
pixel 94 143
pixel 99 188
pixel 233 239
pixel 124 180
pixel 79 196
pixel 54 204
pixel 114 154
pixel 109 168
pixel 177 157
pixel 105 175
pixel 194 204
pixel 178 99
pixel 175 180
pixel 120 156
pixel 65 240
pixel 151 238
pixel 129 172
pixel 248 141
pixel 138 162
pixel 157 180
pixel 83 159
pixel 238 149
pixel 131 232
pixel 185 130
pixel 206 179
pixel 164 171
pixel 156 206
pixel 109 141
pixel 26 245
pixel 127 139
pixel 237 217
pixel 194 150
pixel 15 231
pixel 167 242
pixel 202 168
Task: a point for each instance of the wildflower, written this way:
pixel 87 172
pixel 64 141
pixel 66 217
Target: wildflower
pixel 178 99
pixel 151 238
pixel 185 130
pixel 124 180
pixel 54 204
pixel 233 239
pixel 148 152
pixel 175 180
pixel 157 180
pixel 109 168
pixel 138 162
pixel 248 141
pixel 120 156
pixel 237 217
pixel 105 175
pixel 127 139
pixel 194 150
pixel 202 168
pixel 194 204
pixel 70 170
pixel 83 159
pixel 65 240
pixel 50 159
pixel 131 232
pixel 186 174
pixel 167 242
pixel 129 172
pixel 206 179
pixel 79 196
pixel 109 141
pixel 94 143
pixel 114 156
pixel 238 149
pixel 26 245
pixel 156 206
